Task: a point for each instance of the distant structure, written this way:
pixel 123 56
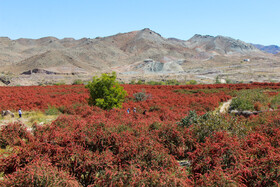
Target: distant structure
pixel 223 81
pixel 148 60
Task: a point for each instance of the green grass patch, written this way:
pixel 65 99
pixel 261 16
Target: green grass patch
pixel 275 102
pixel 52 110
pixel 254 99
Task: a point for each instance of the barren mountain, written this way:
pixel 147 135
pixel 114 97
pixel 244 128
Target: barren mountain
pixel 220 44
pixel 274 49
pixel 55 62
pixel 142 54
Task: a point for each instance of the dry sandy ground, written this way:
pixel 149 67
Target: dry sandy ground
pixel 224 108
pixel 28 119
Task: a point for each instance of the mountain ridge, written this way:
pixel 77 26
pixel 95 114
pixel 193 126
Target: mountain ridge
pixel 274 49
pixel 133 54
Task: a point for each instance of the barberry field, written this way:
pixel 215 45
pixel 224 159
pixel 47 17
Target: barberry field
pixel 181 140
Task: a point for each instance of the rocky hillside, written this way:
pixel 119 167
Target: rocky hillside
pixel 221 45
pixel 133 55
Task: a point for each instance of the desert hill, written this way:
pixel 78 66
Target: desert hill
pixel 142 54
pixel 221 45
pixel 55 62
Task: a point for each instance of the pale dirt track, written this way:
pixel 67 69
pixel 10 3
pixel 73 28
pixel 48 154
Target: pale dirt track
pixel 224 108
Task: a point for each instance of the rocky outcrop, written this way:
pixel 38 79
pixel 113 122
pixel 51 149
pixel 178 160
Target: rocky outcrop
pixel 5 80
pixel 29 72
pixel 43 71
pixel 247 113
pixel 220 44
pixel 7 113
pixel 151 66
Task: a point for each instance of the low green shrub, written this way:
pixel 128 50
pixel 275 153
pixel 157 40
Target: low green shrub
pixel 59 83
pixel 217 122
pixel 245 99
pixel 132 82
pixel 154 126
pixel 241 104
pixel 139 82
pixel 141 96
pixel 167 82
pixel 189 119
pixel 154 108
pixel 52 110
pixel 172 82
pixel 275 102
pixel 77 82
pixel 191 82
pixel 203 126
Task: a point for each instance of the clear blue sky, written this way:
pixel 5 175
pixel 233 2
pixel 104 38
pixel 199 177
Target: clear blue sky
pixel 254 21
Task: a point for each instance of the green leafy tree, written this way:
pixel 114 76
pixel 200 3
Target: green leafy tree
pixel 217 81
pixel 106 92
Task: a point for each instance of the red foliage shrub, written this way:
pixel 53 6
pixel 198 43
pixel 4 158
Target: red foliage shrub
pixel 134 176
pixel 178 141
pixel 218 157
pixel 251 161
pixel 91 147
pixel 40 97
pixel 39 173
pixel 263 165
pixel 258 106
pixel 14 134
